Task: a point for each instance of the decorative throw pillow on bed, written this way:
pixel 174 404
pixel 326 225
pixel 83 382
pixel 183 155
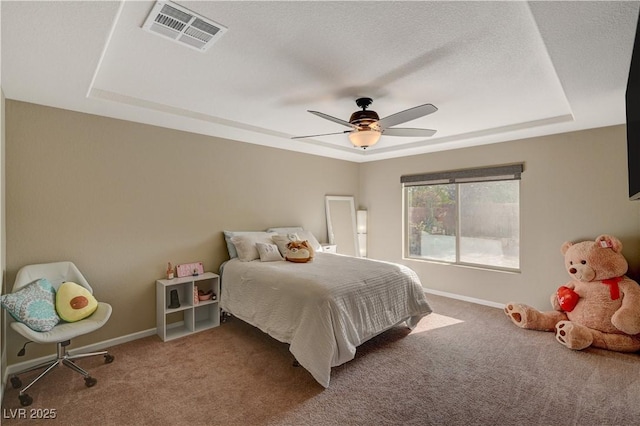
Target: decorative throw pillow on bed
pixel 282 240
pixel 308 236
pixel 245 244
pixel 268 252
pixel 299 252
pixel 33 305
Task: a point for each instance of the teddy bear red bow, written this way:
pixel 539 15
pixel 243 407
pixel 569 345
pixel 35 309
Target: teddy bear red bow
pixel 599 307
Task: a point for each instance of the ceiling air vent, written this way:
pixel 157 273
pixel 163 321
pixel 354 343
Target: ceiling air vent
pixel 183 26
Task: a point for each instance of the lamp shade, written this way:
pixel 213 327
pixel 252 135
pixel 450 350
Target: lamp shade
pixel 361 224
pixel 361 221
pixel 362 244
pixel 364 138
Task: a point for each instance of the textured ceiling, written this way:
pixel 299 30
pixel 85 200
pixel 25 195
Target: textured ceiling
pixel 496 70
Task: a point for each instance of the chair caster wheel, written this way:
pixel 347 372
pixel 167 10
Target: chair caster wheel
pixel 90 381
pixel 16 382
pixel 108 359
pixel 25 399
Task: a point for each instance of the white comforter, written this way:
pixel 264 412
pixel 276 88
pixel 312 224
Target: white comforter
pixel 324 308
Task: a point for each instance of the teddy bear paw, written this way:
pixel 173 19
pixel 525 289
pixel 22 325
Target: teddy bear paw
pixel 573 336
pixel 517 313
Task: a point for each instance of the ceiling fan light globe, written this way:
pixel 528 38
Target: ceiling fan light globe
pixel 364 138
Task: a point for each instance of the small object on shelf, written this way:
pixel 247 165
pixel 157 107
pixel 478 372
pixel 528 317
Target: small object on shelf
pixel 175 302
pixel 196 299
pixel 205 295
pixel 169 271
pixel 186 269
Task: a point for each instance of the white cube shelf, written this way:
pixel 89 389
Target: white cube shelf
pixel 191 316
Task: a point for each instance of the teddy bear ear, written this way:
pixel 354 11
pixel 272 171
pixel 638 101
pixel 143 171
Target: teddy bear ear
pixel 565 247
pixel 607 241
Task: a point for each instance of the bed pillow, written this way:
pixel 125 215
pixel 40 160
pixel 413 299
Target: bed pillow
pixel 308 236
pixel 281 241
pixel 286 229
pixel 268 252
pixel 33 305
pixel 231 248
pixel 245 244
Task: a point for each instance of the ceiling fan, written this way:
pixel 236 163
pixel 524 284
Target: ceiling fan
pixel 367 127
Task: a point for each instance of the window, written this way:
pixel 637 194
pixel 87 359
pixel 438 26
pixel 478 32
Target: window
pixel 469 217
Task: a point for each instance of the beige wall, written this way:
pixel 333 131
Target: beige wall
pixel 122 199
pixel 574 187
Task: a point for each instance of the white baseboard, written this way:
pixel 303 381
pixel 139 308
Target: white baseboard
pixel 15 368
pixel 465 298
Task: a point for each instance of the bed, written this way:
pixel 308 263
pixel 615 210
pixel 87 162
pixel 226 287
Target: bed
pixel 323 309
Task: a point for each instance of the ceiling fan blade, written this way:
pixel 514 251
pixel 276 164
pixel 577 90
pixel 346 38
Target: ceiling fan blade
pixel 408 132
pixel 406 115
pixel 334 119
pixel 322 134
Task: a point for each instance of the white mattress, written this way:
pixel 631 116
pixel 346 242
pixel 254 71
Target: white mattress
pixel 324 308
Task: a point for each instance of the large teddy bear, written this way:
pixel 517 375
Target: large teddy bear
pixel 600 307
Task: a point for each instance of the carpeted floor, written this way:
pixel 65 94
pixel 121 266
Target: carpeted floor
pixel 465 364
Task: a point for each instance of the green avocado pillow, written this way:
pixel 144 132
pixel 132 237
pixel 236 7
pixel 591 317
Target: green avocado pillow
pixel 74 302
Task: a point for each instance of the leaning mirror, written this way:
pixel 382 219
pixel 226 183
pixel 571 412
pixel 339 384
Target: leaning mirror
pixel 341 224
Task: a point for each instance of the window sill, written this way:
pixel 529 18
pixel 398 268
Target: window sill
pixel 465 265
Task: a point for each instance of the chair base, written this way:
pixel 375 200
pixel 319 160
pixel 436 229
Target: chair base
pixel 62 358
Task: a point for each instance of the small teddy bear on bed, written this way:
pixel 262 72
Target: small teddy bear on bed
pixel 600 307
pixel 299 252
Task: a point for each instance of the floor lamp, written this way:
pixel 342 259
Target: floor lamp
pixel 361 223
